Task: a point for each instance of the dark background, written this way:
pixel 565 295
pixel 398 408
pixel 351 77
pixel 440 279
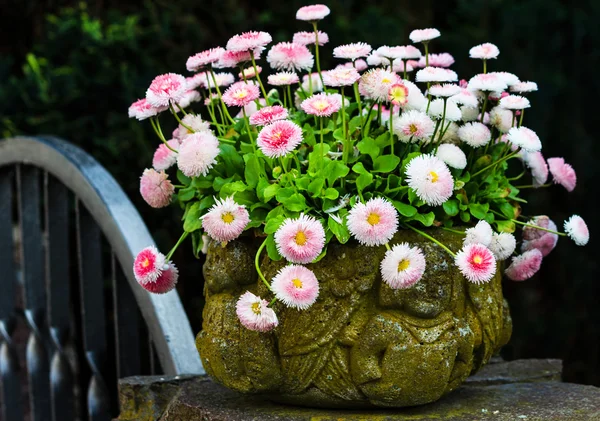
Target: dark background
pixel 72 69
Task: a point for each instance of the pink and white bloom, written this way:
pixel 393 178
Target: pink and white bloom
pixel 413 126
pixel 481 233
pixel 195 123
pixel 225 220
pixel 313 80
pixel 409 52
pixel 543 240
pixel 524 87
pixel 155 188
pixel 197 155
pixel 148 265
pixel 241 94
pixel 452 155
pixel 448 110
pixel 352 51
pixel 437 60
pixel 444 91
pixel 525 265
pixel 475 134
pixel 268 115
pixel 188 97
pixel 312 13
pixel 164 158
pixel 290 56
pixel 436 74
pixel 222 79
pixel 525 138
pixel 166 281
pixel 424 35
pixel 398 94
pixel 204 58
pixel 501 118
pixel 234 58
pixel 300 240
pixel 465 97
pixel 283 79
pixel 375 60
pixel 416 99
pixel 376 83
pixel 322 105
pixel 341 76
pixel 508 78
pixel 399 66
pixel 502 245
pixel 476 262
pixel 514 102
pixel 247 41
pixel 484 51
pixel 487 82
pixel 391 53
pixel 537 164
pixel 255 314
pixel 403 266
pixel 577 230
pixel 562 173
pixel 309 38
pixel 279 138
pixel 296 286
pixel 430 178
pixel 373 223
pixel 166 89
pixel 250 72
pixel 142 109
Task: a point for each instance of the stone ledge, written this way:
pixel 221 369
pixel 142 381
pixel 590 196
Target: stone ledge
pixel 517 390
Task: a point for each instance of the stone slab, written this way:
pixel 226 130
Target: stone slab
pixel 517 371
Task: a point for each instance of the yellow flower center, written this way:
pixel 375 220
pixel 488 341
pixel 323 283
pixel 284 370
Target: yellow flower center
pixel 227 217
pixel 413 128
pixel 240 94
pixel 256 308
pixel 321 105
pixel 300 238
pixel 373 218
pixel 403 265
pixel 433 176
pixel 477 259
pixel 146 263
pixel 297 283
pixel 386 80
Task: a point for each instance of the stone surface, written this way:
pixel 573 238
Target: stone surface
pixel 362 344
pixel 525 397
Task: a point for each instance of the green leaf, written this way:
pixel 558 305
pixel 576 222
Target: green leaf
pixel 367 146
pixel 192 220
pixel 482 162
pixel 451 207
pixel 231 188
pixel 336 170
pixel 465 216
pixel 354 124
pixel 253 170
pixel 386 163
pixel 331 194
pixel 339 230
pixel 315 187
pixel 505 226
pixel 271 191
pixel 183 179
pixel 383 140
pixel 186 194
pixel 507 210
pixel 338 134
pixel 272 248
pixel 364 179
pixel 426 219
pixel 231 158
pixel 405 209
pixel 479 210
pixel 284 194
pixel 295 202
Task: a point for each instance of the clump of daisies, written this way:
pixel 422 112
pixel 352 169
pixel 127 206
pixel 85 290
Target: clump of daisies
pixel 263 142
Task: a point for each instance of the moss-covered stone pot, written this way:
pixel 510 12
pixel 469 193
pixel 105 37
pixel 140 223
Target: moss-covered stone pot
pixel 362 343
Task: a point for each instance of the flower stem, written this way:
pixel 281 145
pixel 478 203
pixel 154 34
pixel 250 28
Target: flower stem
pixel 181 109
pixel 405 74
pixel 222 139
pixel 493 164
pixel 531 186
pixel 223 107
pixel 391 129
pixel 257 76
pixel 289 92
pixel 532 225
pixel 179 121
pixel 246 121
pixel 321 134
pixel 484 66
pixel 453 231
pixel 429 237
pixel 343 112
pixel 485 101
pixel 183 237
pixel 357 95
pixel 521 118
pixel 158 131
pixel 387 246
pixel 395 189
pixel 317 52
pixel 256 264
pixel 426 44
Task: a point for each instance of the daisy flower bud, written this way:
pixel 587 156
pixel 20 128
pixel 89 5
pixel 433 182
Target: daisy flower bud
pixel 514 102
pixel 398 94
pixel 166 281
pixel 503 245
pixel 254 313
pixel 537 164
pixel 524 87
pixel 437 60
pixel 484 51
pixel 312 13
pixel 403 266
pixel 376 83
pixel 225 220
pixel 452 155
pixel 148 265
pixel 322 105
pixel 424 35
pixel 203 59
pixel 341 76
pixel 279 138
pixel 501 119
pixel 430 178
pixel 436 74
pixel 542 240
pixel 290 56
pixel 296 286
pixel 164 158
pixel 283 79
pixel 300 240
pixel 198 154
pixel 476 262
pixel 142 109
pixel 308 38
pixel 487 82
pixel 413 126
pixel 166 89
pixel 475 134
pixel 452 112
pixel 577 230
pixel 481 233
pixel 268 115
pixel 524 266
pixel 248 41
pixel 155 188
pixel 373 223
pixel 562 173
pixel 240 94
pixel 525 138
pixel 352 51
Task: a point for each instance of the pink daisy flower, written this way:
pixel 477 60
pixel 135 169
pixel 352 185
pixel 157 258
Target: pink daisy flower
pixel 359 65
pixel 487 82
pixel 196 81
pixel 375 59
pixel 465 97
pixel 524 87
pixel 164 158
pixel 542 240
pixel 240 94
pixel 501 118
pixel 234 58
pixel 424 35
pixel 476 262
pixel 445 91
pixel 251 108
pixel 166 89
pixel 514 102
pixel 436 74
pixel 194 122
pixel 373 223
pixel 448 110
pixel 155 188
pixel 248 41
pixel 166 281
pixel 268 115
pixel 203 59
pixel 537 164
pixel 312 13
pixel 484 51
pixel 222 78
pixel 437 60
pixel 399 65
pixel 403 266
pixel 141 110
pixel 376 83
pixel 352 51
pixel 283 79
pixel 296 286
pixel 322 105
pixel 525 138
pixel 189 97
pixel 503 245
pixel 391 53
pixel 452 155
pixel 416 99
pixel 300 240
pixel 255 314
pixel 524 266
pixel 481 233
pixel 148 265
pixel 475 134
pixel 341 76
pixel 249 72
pixel 398 94
pixel 290 56
pixel 225 220
pixel 413 126
pixel 279 138
pixel 198 154
pixel 562 173
pixel 508 78
pixel 430 178
pixel 308 38
pixel 576 228
pixel 409 52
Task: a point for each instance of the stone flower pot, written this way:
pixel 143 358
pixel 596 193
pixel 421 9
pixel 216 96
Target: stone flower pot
pixel 362 343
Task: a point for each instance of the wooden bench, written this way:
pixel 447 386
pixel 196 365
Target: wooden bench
pixel 73 320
